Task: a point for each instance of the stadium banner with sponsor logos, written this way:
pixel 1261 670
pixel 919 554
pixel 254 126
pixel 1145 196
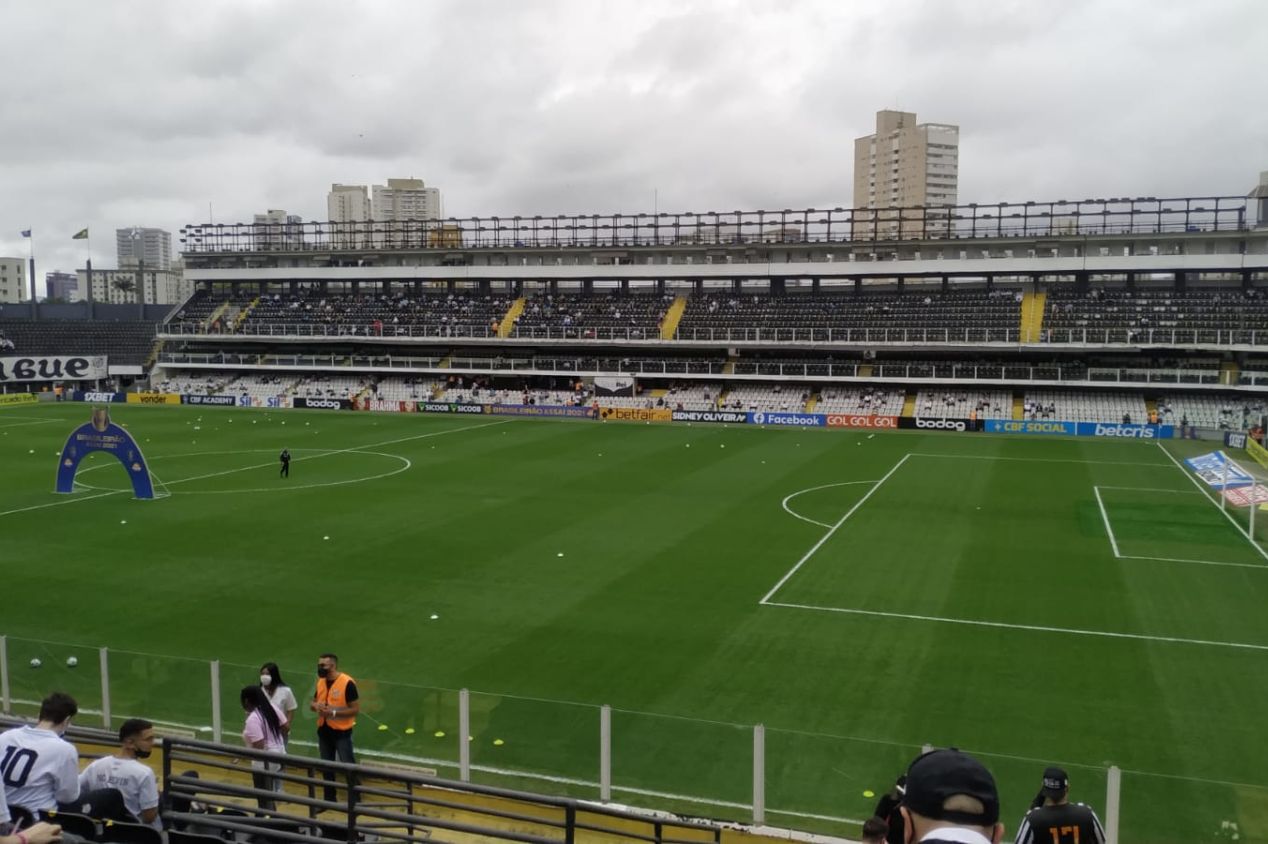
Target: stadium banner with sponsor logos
pixel 541 410
pixel 636 414
pixel 100 434
pixel 1125 431
pixel 154 398
pixel 52 368
pixel 276 402
pixel 197 398
pixel 321 404
pixel 731 417
pixel 98 398
pixel 613 385
pixel 790 419
pixel 861 420
pixel 1021 426
pixel 1235 439
pixel 448 407
pixel 1218 472
pixel 1246 496
pixel 19 398
pixel 923 423
pixel 384 405
pixel 1257 452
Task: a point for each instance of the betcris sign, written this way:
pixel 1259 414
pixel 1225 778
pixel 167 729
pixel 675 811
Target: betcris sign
pixel 1008 426
pixel 795 420
pixel 1124 431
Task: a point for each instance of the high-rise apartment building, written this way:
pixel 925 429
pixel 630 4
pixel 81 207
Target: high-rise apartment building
pixel 348 204
pixel 136 244
pixel 61 286
pixel 119 287
pixel 13 287
pixel 277 230
pixel 905 165
pixel 402 200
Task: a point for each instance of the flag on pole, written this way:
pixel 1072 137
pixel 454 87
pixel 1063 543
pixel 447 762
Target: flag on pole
pixel 26 232
pixel 82 234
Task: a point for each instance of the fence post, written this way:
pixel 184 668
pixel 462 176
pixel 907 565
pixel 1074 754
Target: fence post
pixel 1113 792
pixel 464 729
pixel 605 753
pixel 4 675
pixel 105 688
pixel 215 700
pixel 759 774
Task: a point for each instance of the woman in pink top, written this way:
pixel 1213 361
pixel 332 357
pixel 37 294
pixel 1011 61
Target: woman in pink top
pixel 263 731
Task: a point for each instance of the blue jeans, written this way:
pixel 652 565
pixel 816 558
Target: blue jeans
pixel 334 745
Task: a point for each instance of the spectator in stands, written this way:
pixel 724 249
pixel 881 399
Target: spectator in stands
pixel 337 704
pixel 887 810
pixel 279 694
pixel 874 831
pixel 40 833
pixel 38 757
pixel 1057 819
pixel 951 797
pixel 121 770
pixel 262 731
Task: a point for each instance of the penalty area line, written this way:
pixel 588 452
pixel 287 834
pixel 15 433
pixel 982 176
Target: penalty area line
pixel 1035 628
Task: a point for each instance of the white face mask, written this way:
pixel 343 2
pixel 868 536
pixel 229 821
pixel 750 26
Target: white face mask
pixel 266 680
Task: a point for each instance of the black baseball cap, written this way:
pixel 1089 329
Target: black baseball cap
pixel 1055 782
pixel 939 774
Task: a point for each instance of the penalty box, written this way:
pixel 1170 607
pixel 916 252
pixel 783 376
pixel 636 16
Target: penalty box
pixel 998 541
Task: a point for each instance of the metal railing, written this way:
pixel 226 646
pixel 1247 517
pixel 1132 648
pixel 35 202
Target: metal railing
pixel 766 335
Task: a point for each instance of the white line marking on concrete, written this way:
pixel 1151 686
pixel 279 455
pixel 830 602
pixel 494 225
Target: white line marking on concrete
pixel 1032 627
pixel 797 515
pixel 833 529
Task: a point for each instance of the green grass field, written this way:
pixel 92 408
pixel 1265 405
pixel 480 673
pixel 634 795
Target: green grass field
pixel 698 579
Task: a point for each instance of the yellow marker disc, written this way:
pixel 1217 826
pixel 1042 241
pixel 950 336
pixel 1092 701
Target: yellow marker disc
pixel 440 734
pixel 498 742
pixel 869 793
pixel 382 727
pixel 409 731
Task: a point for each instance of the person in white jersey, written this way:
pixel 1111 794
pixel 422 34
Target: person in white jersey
pixel 280 695
pixel 124 771
pixel 39 833
pixel 40 768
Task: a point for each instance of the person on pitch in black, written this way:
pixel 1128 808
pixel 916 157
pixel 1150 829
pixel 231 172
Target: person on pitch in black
pixel 285 457
pixel 1056 819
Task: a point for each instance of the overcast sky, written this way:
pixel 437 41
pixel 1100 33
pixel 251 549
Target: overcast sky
pixel 161 113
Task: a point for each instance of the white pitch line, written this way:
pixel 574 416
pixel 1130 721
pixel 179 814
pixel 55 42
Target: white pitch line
pixel 1151 489
pixel 833 530
pixel 1203 490
pixel 1070 631
pixel 38 422
pixel 340 451
pixel 797 515
pixel 1105 516
pixel 1037 459
pixel 1260 566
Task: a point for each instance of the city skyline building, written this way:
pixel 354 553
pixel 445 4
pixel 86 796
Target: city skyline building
pixel 904 164
pixel 137 244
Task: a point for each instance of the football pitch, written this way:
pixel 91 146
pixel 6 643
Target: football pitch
pixel 1036 601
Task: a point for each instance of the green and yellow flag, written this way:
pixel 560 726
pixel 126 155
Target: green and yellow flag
pixel 82 234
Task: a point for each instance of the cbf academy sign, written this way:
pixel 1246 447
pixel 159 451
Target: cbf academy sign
pixel 53 368
pixel 103 435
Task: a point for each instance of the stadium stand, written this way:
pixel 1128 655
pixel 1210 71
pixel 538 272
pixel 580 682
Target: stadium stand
pixel 865 401
pixel 1127 315
pixel 584 316
pixel 1085 406
pixel 958 404
pixel 1222 412
pixel 791 397
pixel 123 342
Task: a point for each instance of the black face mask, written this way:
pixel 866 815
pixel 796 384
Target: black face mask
pixel 322 671
pixel 143 754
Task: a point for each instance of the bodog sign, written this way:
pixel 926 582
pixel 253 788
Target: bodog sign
pixel 848 420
